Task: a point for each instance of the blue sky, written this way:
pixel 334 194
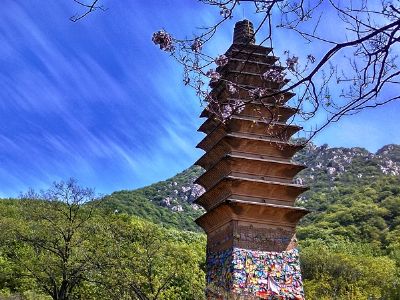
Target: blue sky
pixel 96 100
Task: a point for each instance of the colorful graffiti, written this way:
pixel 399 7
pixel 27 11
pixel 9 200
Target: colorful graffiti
pixel 265 275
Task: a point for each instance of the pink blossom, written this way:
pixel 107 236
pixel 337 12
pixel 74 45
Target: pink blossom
pixel 196 46
pixel 164 40
pixel 257 93
pixel 292 62
pixel 234 106
pixel 213 75
pixel 274 75
pixel 231 88
pixel 225 12
pixel 226 112
pixel 238 105
pixel 262 6
pixel 221 60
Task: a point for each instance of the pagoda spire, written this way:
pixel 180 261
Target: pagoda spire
pixel 244 33
pixel 251 216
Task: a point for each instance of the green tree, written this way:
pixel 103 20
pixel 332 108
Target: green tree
pixel 52 240
pixel 147 262
pixel 347 271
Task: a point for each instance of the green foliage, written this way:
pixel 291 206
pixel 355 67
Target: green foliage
pixel 49 238
pixel 360 213
pixel 147 202
pixel 347 271
pixel 116 256
pixel 137 249
pixel 149 262
pixel 135 203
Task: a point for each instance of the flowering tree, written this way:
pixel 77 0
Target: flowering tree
pixel 349 72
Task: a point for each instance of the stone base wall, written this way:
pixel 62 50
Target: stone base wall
pixel 239 273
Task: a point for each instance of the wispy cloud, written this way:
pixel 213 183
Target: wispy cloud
pixel 72 108
pixel 96 100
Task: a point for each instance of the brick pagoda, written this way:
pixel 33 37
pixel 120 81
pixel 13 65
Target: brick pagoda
pixel 250 217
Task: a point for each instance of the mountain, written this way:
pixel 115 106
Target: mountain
pixel 391 151
pixel 330 164
pixel 354 228
pixel 168 202
pixel 333 174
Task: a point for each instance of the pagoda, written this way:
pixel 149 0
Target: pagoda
pixel 249 197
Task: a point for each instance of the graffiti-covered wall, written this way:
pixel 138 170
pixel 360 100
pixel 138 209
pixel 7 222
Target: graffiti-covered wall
pixel 267 275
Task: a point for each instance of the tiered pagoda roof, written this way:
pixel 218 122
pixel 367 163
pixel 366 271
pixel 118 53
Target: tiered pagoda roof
pixel 248 160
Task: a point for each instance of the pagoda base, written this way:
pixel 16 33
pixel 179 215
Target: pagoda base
pixel 239 273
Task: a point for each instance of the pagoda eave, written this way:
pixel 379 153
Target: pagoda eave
pixel 249 49
pixel 259 111
pixel 277 192
pixel 246 124
pixel 221 150
pixel 242 125
pixel 249 167
pixel 263 213
pixel 239 143
pixel 251 84
pixel 249 65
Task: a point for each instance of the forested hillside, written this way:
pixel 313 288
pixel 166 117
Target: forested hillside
pixel 167 202
pixel 350 243
pixel 61 246
pixel 354 226
pixel 332 173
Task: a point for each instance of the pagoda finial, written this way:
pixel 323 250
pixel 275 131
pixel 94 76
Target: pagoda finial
pixel 244 33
